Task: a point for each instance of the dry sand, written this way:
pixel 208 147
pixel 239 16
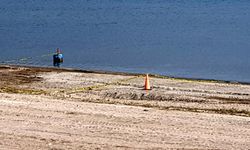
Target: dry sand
pixel 43 108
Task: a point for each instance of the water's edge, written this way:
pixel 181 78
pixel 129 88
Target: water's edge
pixel 125 74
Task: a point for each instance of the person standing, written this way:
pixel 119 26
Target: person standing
pixel 57 58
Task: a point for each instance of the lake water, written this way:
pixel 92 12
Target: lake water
pixel 185 38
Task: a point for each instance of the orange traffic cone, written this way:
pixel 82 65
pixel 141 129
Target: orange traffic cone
pixel 147 85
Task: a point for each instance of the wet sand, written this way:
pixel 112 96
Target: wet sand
pixel 48 108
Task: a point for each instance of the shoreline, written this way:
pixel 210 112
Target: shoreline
pixel 24 80
pixel 64 108
pixel 128 74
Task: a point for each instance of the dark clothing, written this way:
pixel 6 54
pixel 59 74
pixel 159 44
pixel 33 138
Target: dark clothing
pixel 57 60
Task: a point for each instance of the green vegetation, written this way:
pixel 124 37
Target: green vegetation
pixel 21 91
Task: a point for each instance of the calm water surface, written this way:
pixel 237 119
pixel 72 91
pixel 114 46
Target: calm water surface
pixel 184 38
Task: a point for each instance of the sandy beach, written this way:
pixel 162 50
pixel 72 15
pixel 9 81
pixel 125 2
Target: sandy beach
pixel 49 108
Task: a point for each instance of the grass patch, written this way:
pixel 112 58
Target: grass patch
pixel 21 91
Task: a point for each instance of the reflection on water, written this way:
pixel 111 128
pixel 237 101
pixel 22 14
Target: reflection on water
pixel 200 39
